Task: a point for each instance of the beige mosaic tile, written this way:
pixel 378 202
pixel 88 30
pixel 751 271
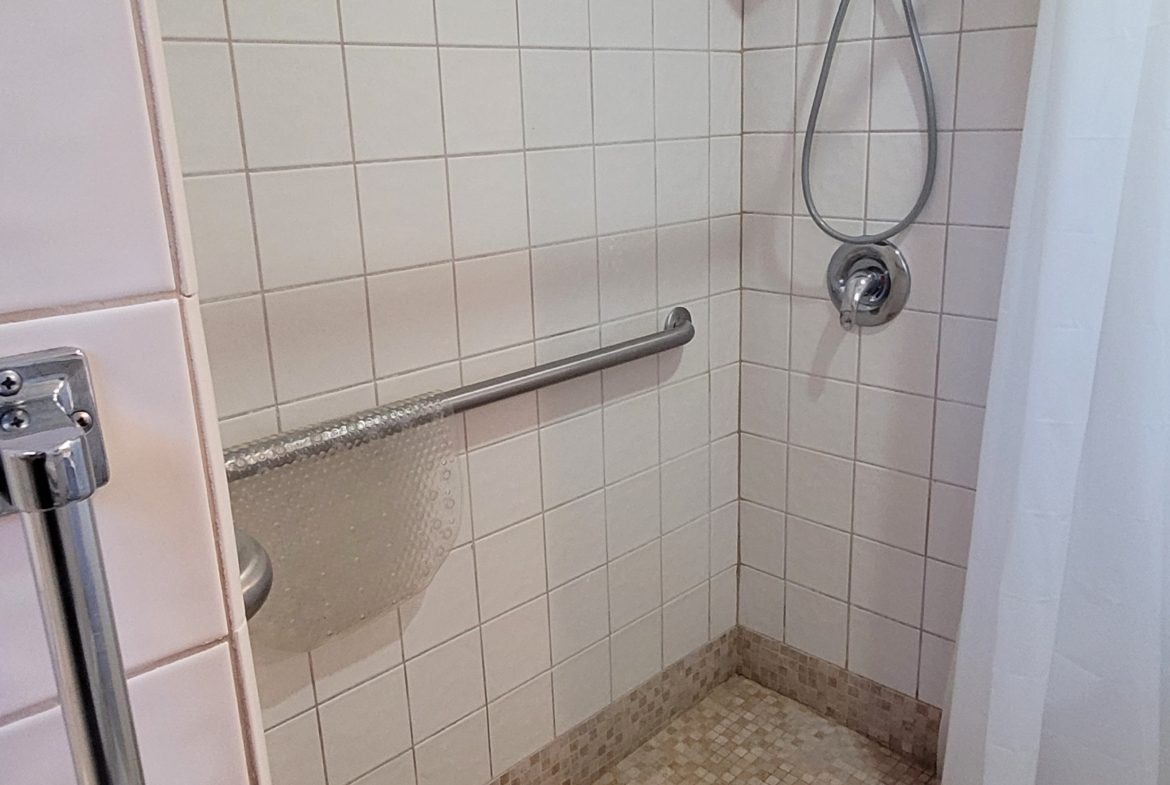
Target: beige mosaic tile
pixel 900 722
pixel 745 734
pixel 579 756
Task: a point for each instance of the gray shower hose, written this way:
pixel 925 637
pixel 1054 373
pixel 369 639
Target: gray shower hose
pixel 931 131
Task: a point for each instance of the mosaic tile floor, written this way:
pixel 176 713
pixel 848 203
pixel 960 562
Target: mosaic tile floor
pixel 745 734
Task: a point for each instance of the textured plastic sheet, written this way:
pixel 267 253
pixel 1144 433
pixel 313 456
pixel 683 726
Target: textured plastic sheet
pixel 357 515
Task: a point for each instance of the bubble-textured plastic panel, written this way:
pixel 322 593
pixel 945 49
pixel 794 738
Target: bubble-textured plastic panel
pixel 357 516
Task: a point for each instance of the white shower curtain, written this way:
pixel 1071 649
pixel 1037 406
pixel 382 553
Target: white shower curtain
pixel 1062 674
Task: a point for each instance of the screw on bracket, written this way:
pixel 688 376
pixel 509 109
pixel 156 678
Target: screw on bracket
pixel 10 382
pixel 82 419
pixel 14 420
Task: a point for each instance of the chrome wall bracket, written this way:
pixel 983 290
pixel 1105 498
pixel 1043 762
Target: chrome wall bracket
pixel 869 283
pixel 48 417
pixel 52 460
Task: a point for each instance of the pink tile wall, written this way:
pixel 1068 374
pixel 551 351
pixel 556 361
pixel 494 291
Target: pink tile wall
pixel 859 451
pixel 94 262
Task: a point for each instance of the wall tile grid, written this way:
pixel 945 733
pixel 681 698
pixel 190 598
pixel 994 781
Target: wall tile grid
pixel 859 453
pixel 387 198
pixel 96 257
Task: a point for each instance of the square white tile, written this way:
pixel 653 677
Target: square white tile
pixel 894 430
pixel 761 603
pixel 683 169
pixel 489 204
pixel 413 318
pixel 631 436
pixel 554 22
pixel 578 614
pixel 883 650
pixel 445 609
pixel 481 99
pixel 495 302
pixel 572 463
pixel 307 225
pixel 521 723
pixel 561 200
pixel 509 567
pixel 204 104
pixel 770 23
pixel 445 683
pixel 681 103
pixel 516 647
pixel 769 82
pixel 292 98
pixel 818 487
pixel 505 483
pixel 221 231
pixel 564 280
pixel 686 552
pixel 681 24
pixel 574 536
pixel 685 624
pixel 457 755
pixel 405 216
pixel 635 585
pixel 636 653
pixel 890 507
pixel 822 414
pixel 623 96
pixel 818 557
pixel 477 22
pixel 763 464
pixel 683 263
pixel 397 22
pixel 628 270
pixel 621 23
pixel 558 107
pixel 314 20
pixel 632 512
pixel 761 533
pixel 322 328
pixel 625 187
pixel 366 726
pixel 887 580
pixel 816 624
pixel 237 343
pixel 581 686
pixel 394 101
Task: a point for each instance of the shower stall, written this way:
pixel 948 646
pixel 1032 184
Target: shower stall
pixel 563 442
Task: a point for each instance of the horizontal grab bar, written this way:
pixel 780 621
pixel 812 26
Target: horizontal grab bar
pixel 677 331
pixel 249 459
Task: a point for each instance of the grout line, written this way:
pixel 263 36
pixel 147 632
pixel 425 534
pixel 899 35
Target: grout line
pixel 89 306
pixel 251 209
pixel 195 173
pixel 938 350
pixel 365 276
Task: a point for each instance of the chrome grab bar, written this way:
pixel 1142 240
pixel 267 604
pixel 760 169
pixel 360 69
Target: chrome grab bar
pixel 255 572
pixel 250 459
pixel 52 460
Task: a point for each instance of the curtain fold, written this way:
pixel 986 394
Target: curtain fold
pixel 1061 673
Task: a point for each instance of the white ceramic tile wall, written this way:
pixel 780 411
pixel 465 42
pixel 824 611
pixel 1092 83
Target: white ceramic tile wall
pixel 859 452
pixel 100 261
pixel 464 188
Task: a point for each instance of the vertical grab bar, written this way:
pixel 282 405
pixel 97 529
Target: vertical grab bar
pixel 52 459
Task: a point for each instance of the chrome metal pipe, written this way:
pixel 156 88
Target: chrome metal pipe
pixel 79 624
pixel 52 460
pixel 272 452
pixel 677 331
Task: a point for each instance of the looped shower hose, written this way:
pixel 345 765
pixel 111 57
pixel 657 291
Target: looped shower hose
pixel 931 131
